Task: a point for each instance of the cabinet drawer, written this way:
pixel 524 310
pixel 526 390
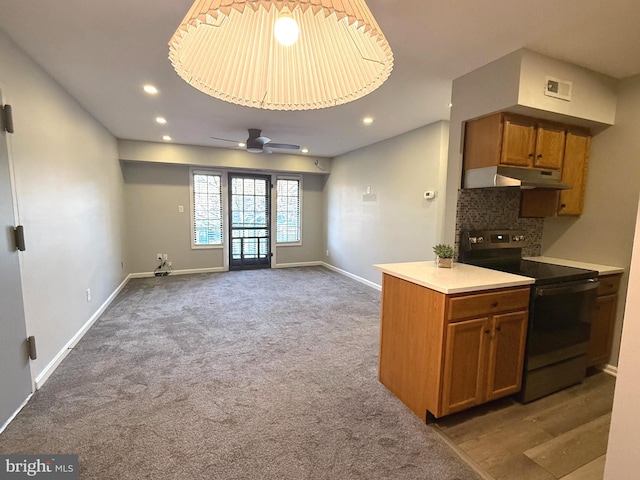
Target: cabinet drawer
pixel 609 284
pixel 468 306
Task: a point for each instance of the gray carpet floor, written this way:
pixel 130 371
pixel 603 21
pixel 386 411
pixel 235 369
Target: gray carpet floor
pixel 267 374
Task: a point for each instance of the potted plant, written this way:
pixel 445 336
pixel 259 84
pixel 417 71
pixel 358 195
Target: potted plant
pixel 444 255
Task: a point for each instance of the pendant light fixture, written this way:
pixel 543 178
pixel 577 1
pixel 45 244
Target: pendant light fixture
pixel 281 54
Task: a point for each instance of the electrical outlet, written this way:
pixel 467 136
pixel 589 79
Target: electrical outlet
pixel 170 264
pixel 327 253
pixel 159 257
pixel 165 257
pixel 88 294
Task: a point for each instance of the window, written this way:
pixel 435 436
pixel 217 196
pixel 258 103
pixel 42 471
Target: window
pixel 206 207
pixel 288 210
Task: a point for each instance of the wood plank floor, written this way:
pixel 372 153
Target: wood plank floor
pixel 559 437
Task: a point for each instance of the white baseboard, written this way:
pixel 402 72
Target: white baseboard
pixel 57 360
pixel 610 369
pixel 180 272
pixel 13 415
pixel 352 276
pixel 298 264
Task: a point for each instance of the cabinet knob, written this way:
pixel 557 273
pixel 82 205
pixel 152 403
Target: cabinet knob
pixel 494 304
pixel 498 328
pixel 539 155
pixel 487 331
pixel 531 155
pixel 564 205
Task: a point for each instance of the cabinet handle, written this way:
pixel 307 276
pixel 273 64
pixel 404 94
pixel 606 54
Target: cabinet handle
pixel 494 304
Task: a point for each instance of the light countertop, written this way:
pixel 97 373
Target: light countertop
pixel 601 269
pixel 460 278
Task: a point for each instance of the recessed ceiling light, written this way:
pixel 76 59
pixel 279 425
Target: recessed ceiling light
pixel 161 120
pixel 305 150
pixel 150 89
pixel 367 120
pixel 242 145
pixel 166 138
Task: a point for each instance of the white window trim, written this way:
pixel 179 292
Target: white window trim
pixel 195 171
pixel 275 210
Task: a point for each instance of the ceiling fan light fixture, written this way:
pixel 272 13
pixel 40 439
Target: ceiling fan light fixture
pixel 227 49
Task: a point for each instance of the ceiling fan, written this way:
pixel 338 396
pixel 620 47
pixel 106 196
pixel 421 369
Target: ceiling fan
pixel 256 143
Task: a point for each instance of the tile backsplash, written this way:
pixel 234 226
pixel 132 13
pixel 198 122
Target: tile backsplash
pixel 496 209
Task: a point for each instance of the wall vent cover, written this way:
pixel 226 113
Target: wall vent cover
pixel 558 88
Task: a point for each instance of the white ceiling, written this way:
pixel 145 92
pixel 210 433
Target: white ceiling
pixel 102 52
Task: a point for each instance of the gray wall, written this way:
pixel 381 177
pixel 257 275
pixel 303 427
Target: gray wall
pixel 604 232
pixel 153 192
pixel 70 199
pixel 395 223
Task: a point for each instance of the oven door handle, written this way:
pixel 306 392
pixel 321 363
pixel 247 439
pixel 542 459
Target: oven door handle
pixel 590 284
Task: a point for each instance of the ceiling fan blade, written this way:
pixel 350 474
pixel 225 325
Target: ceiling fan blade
pixel 225 139
pixel 267 151
pixel 263 140
pixel 286 146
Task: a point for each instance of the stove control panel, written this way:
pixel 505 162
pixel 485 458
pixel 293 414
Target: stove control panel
pixel 491 239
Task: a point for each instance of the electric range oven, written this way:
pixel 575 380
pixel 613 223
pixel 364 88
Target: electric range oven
pixel 560 309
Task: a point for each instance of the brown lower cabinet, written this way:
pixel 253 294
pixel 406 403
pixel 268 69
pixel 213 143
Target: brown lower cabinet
pixel 481 359
pixel 603 320
pixel 441 353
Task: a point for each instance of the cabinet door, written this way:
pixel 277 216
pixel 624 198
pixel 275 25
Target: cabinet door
pixel 506 354
pixel 602 322
pixel 574 173
pixel 550 142
pixel 518 142
pixel 465 364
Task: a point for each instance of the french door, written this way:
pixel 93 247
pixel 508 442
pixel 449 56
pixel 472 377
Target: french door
pixel 249 221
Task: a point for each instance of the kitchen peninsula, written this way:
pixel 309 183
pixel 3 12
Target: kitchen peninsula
pixel 451 338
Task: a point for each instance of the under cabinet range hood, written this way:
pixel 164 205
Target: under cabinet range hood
pixel 502 176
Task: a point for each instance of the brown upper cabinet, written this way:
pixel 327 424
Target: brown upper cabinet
pixel 574 173
pixel 514 140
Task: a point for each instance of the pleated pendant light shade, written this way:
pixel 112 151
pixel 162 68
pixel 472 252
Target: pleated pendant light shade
pixel 227 49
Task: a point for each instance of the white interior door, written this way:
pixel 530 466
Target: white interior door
pixel 15 375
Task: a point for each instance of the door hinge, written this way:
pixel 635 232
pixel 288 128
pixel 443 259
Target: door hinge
pixel 31 347
pixel 271 254
pixel 18 234
pixel 7 118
